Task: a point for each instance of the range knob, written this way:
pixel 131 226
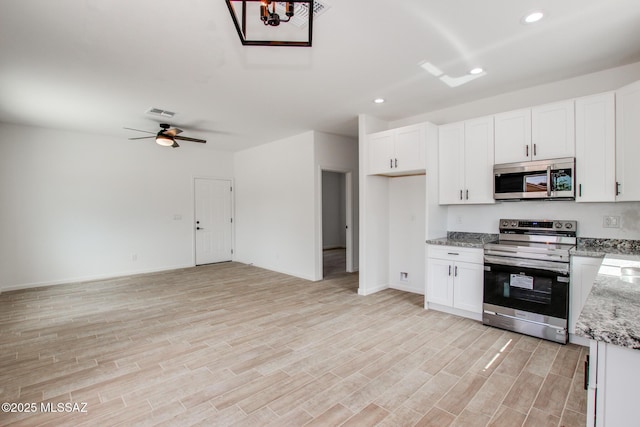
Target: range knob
pixel 568 226
pixel 514 223
pixel 558 225
pixel 505 223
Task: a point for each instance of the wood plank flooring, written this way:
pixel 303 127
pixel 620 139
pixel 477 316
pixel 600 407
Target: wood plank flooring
pixel 235 345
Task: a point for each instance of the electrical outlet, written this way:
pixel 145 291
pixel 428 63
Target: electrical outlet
pixel 404 277
pixel 134 257
pixel 611 221
pixel 458 219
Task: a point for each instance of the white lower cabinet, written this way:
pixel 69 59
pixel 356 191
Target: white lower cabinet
pixel 612 381
pixel 455 280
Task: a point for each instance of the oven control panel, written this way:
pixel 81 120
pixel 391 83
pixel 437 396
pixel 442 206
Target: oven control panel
pixel 542 226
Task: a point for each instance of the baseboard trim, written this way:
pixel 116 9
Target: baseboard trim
pixel 92 278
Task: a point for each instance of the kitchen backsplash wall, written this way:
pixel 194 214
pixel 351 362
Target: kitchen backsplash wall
pixel 590 216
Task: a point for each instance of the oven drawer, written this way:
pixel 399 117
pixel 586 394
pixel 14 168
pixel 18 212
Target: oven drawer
pixel 455 253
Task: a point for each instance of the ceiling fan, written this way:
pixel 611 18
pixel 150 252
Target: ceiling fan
pixel 167 136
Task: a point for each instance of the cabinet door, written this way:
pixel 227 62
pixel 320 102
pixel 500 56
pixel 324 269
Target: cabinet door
pixel 468 286
pixel 583 272
pixel 380 152
pixel 409 149
pixel 451 164
pixel 478 163
pixel 439 282
pixel 513 136
pixel 595 148
pixel 628 142
pixel 553 131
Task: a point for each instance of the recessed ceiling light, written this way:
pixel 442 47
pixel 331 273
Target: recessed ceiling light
pixel 533 16
pixel 476 70
pixel 378 101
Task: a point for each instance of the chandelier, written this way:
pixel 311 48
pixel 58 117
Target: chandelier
pixel 260 25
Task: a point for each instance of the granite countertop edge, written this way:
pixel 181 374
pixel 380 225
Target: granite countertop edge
pixel 610 313
pixel 464 239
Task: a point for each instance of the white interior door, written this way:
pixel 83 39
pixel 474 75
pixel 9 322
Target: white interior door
pixel 213 220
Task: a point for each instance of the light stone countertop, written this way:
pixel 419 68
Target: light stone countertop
pixel 612 311
pixel 464 240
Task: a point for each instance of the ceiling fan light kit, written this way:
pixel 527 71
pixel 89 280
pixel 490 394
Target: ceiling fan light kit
pixel 167 136
pixel 260 24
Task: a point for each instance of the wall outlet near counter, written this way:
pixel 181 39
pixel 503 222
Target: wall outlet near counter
pixel 611 221
pixel 404 277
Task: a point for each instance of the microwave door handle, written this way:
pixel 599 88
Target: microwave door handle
pixel 549 181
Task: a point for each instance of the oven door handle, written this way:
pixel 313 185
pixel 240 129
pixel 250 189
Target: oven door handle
pixel 549 181
pixel 497 261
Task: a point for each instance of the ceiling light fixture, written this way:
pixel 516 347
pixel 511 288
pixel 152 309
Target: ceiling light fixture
pixel 476 70
pixel 533 16
pixel 378 101
pixel 260 25
pixel 164 140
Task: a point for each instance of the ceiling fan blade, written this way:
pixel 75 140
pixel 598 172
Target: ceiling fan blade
pixel 184 138
pixel 175 145
pixel 138 130
pixel 142 137
pixel 172 131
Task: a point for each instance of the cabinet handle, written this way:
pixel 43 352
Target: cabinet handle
pixel 617 188
pixel 396 162
pixel 453 253
pixel 586 373
pixel 526 150
pixel 460 194
pixel 579 190
pixel 467 195
pixel 390 163
pixel 535 152
pixel 449 270
pixel 455 271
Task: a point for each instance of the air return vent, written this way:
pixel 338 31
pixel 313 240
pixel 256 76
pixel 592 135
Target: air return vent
pixel 160 112
pixel 301 12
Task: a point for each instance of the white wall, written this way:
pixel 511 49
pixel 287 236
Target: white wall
pixel 275 206
pixel 333 210
pixel 406 231
pixel 484 218
pixel 80 206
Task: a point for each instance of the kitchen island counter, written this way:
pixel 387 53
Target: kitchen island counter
pixel 611 312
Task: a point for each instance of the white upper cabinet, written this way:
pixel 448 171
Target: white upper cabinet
pixel 628 143
pixel 538 133
pixel 513 136
pixel 595 148
pixel 478 160
pixel 398 151
pixel 466 162
pixel 553 131
pixel 451 163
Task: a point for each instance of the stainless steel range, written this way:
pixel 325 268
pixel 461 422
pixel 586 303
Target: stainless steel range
pixel 526 278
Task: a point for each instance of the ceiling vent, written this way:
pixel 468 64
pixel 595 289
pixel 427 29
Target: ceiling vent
pixel 301 12
pixel 160 112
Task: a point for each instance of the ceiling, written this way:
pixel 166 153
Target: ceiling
pixel 96 66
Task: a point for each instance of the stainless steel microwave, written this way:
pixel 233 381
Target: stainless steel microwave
pixel 541 179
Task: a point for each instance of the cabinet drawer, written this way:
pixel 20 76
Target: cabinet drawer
pixel 455 253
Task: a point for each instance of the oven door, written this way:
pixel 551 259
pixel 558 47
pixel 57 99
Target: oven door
pixel 527 287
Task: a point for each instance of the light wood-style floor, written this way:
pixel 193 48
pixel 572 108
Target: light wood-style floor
pixel 231 344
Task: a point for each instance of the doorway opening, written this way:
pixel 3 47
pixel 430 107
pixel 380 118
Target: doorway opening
pixel 336 223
